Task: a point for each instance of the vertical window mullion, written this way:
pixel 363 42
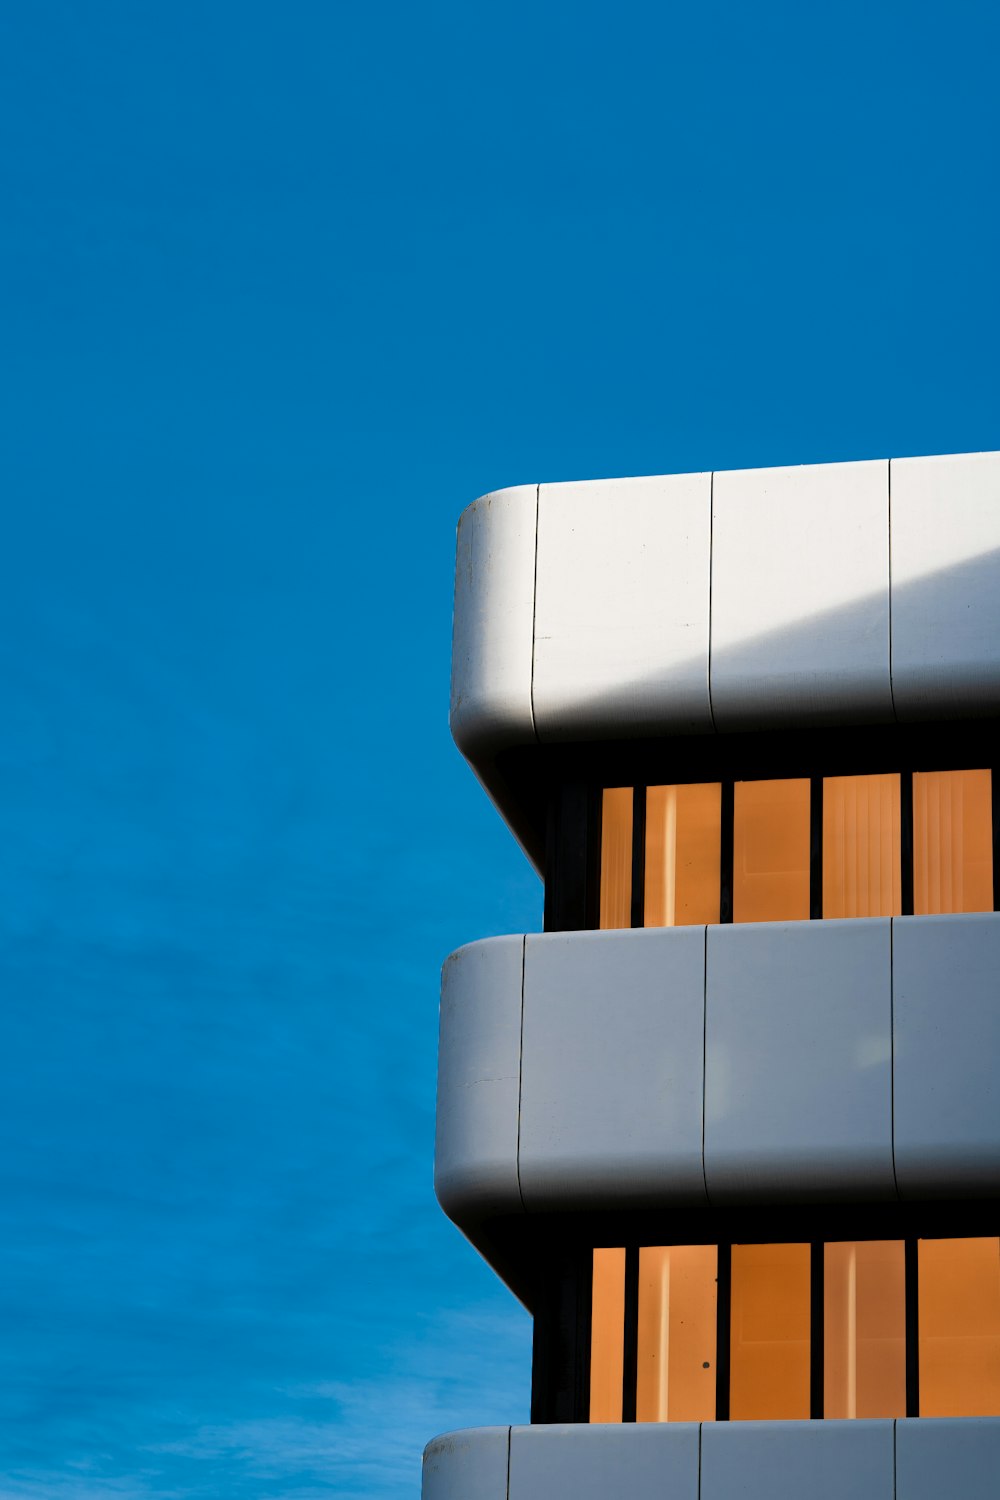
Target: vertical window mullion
pixel 817 1319
pixel 815 847
pixel 724 1298
pixel 906 842
pixel 630 1360
pixel 726 854
pixel 639 856
pixel 912 1293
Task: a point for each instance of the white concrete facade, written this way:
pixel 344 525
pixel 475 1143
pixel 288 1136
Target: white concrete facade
pixel 692 1075
pixel 773 1062
pixel 908 1459
pixel 694 604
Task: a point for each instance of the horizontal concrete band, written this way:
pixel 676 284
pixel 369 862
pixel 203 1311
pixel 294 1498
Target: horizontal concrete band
pixel 782 1062
pixel 916 1459
pixel 697 603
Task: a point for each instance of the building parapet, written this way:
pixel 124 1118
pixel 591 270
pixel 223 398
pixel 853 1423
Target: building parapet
pixel 905 1459
pixel 779 1063
pixel 701 604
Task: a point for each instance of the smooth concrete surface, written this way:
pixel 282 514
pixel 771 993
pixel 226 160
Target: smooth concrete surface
pixel 651 1461
pixel 494 623
pixel 800 595
pixel 946 1026
pixel 798 1088
pixel 938 1458
pixel 797 1460
pixel 467 1465
pixel 926 1459
pixel 622 608
pixel 591 611
pixel 946 585
pixel 796 1056
pixel 475 1163
pixel 611 1079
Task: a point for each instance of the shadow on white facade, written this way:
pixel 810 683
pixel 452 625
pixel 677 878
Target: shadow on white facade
pixel 730 1126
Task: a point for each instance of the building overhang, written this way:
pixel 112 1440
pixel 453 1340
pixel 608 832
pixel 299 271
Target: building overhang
pixel 692 606
pixel 915 1459
pixel 595 1082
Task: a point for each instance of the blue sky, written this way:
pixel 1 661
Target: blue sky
pixel 283 289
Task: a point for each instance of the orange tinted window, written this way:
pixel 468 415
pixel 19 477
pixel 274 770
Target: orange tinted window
pixel 683 853
pixel 959 1321
pixel 607 1336
pixel 864 1329
pixel 676 1344
pixel 616 857
pixel 770 851
pixel 769 1344
pixel 952 841
pixel 861 846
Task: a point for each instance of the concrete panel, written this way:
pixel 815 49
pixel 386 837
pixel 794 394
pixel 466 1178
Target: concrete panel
pixel 470 1465
pixel 798 1101
pixel 611 1089
pixel 475 1160
pixel 800 596
pixel 622 608
pixel 494 610
pixel 939 1457
pixel 797 1461
pixel 946 585
pixel 648 1461
pixel 946 1026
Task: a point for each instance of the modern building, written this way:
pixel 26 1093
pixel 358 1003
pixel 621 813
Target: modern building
pixel 730 1126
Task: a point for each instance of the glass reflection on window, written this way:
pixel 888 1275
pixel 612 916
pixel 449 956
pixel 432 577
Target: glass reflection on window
pixel 861 846
pixel 616 857
pixel 952 841
pixel 683 854
pixel 771 851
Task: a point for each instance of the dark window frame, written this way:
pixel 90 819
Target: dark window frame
pixel 561 1387
pixel 561 1300
pixel 573 841
pixel 817 1319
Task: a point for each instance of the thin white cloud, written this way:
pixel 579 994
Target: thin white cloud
pixel 366 1437
pixel 48 1484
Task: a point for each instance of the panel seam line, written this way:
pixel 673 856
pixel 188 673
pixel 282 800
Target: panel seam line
pixel 520 1077
pixel 701 1429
